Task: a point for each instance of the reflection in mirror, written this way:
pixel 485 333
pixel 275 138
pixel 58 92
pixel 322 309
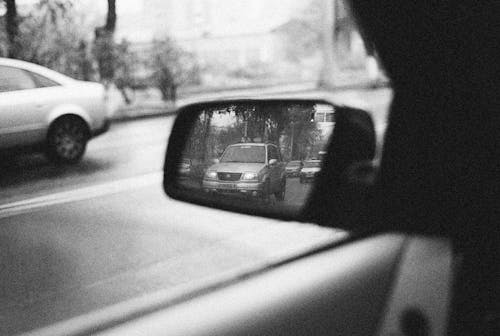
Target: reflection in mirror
pixel 265 153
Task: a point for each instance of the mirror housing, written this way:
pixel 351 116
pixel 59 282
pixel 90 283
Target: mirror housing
pixel 335 160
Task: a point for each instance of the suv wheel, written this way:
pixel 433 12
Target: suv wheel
pixel 67 140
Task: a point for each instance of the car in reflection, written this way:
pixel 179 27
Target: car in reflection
pixel 41 109
pixel 310 170
pixel 251 169
pixel 293 168
pixel 185 168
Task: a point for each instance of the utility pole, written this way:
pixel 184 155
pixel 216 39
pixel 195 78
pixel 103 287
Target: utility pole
pixel 326 76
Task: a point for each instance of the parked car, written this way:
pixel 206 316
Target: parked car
pixel 185 168
pixel 253 169
pixel 310 170
pixel 293 168
pixel 44 110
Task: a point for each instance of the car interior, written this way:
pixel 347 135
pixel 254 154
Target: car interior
pixel 421 256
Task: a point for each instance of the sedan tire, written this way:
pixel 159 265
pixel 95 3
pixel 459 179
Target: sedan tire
pixel 67 140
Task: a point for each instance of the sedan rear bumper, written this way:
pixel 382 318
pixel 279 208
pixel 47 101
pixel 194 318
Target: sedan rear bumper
pixel 103 129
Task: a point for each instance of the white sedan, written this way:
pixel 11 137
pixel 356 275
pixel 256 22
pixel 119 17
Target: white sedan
pixel 44 110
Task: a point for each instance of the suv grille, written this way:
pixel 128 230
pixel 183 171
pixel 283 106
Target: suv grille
pixel 229 176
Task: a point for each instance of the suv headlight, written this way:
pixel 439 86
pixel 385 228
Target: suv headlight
pixel 211 174
pixel 249 176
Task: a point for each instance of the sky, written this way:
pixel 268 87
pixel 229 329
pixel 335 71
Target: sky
pixel 135 21
pixel 122 6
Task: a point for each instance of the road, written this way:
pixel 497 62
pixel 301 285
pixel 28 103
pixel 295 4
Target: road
pixel 80 238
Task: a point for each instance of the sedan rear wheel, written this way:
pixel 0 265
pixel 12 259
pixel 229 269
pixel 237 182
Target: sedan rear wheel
pixel 67 140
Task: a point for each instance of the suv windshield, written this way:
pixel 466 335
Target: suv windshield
pixel 245 153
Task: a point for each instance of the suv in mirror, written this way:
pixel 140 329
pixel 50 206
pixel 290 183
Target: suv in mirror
pixel 251 169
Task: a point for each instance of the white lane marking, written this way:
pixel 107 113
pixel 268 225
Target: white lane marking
pixel 14 208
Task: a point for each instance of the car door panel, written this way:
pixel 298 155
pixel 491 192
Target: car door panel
pixel 22 117
pixel 342 291
pixel 422 290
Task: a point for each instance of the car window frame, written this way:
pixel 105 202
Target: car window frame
pixel 35 77
pixel 22 71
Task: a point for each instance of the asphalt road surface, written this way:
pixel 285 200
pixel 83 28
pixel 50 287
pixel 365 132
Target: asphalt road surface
pixel 79 238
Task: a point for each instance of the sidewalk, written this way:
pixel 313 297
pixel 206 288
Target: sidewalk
pixel 148 103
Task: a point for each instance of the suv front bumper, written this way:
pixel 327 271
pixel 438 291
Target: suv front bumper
pixel 250 188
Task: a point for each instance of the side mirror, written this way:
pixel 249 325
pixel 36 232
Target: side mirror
pixel 241 129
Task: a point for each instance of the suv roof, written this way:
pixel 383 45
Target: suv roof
pixel 251 144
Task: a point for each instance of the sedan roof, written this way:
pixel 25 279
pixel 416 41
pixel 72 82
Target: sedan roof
pixel 43 71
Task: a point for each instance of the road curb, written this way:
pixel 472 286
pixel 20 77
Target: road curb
pixel 228 93
pixel 154 114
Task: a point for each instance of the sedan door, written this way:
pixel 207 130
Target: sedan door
pixel 23 108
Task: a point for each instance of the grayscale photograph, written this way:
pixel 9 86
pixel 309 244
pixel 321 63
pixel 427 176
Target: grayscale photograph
pixel 249 167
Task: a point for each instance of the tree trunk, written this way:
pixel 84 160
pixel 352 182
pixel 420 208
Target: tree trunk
pixel 84 62
pixel 12 27
pixel 164 93
pixel 173 93
pixel 104 43
pixel 111 19
pixel 125 96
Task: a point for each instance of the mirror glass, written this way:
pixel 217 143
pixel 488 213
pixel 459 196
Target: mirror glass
pixel 263 154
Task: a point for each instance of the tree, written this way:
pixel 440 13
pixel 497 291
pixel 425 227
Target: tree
pixel 51 36
pixel 12 27
pixel 125 65
pixel 172 67
pixel 300 133
pixel 315 32
pixel 302 34
pixel 286 125
pixel 104 46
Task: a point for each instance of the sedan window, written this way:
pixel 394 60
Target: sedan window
pixel 12 79
pixel 42 81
